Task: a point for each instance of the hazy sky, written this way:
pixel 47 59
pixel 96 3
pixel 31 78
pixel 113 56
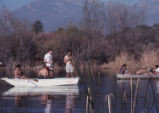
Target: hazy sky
pixel 13 4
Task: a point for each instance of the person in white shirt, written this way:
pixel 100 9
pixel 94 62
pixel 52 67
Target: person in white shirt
pixel 156 69
pixel 68 62
pixel 48 60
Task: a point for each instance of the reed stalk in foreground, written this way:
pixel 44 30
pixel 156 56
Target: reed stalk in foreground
pixel 137 86
pixel 87 105
pixel 109 102
pixel 87 90
pixel 146 96
pixel 131 97
pixel 124 97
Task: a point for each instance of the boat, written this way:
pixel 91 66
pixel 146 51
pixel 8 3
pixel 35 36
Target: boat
pixel 54 90
pixel 41 82
pixel 143 76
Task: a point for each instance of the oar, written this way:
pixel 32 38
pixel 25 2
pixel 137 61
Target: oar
pixel 82 80
pixel 31 80
pixel 36 80
pixel 78 73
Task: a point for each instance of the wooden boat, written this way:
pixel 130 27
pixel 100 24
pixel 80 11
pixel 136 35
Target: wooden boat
pixel 144 76
pixel 55 90
pixel 41 82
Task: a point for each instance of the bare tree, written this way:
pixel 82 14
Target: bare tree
pixel 101 18
pixel 120 16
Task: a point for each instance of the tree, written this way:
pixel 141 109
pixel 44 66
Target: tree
pixel 120 16
pixel 38 26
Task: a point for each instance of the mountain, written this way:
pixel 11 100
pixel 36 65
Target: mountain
pixel 14 4
pixel 59 13
pixel 52 13
pixel 151 10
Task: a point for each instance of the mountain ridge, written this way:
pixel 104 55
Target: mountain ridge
pixel 52 13
pixel 59 13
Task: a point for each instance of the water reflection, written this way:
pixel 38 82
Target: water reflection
pixel 45 99
pixel 18 100
pixel 145 98
pixel 46 102
pixel 70 103
pixel 56 90
pixel 72 100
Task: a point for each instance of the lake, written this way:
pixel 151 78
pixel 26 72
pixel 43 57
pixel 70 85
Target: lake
pixel 105 90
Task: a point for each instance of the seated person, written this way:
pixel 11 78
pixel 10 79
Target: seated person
pixel 144 71
pixel 18 72
pixel 43 73
pixel 151 70
pixel 156 71
pixel 123 69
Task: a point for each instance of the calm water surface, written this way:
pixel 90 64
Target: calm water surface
pixel 74 100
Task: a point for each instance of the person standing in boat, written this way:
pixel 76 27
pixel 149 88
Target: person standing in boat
pixel 18 73
pixel 68 62
pixel 123 69
pixel 48 60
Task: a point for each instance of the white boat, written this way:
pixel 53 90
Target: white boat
pixel 41 82
pixel 55 90
pixel 143 76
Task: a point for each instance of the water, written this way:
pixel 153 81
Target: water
pixel 74 101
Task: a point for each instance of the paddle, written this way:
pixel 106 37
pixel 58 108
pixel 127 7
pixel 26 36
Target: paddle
pixel 24 77
pixel 31 80
pixel 82 80
pixel 36 80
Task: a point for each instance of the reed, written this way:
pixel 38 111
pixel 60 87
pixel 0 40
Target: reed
pixel 154 96
pixel 124 97
pixel 131 95
pixel 146 96
pixel 109 102
pixel 136 91
pixel 148 59
pixel 123 58
pixel 87 105
pixel 87 90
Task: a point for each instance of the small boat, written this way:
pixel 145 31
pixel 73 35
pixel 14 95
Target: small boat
pixel 143 76
pixel 41 82
pixel 55 90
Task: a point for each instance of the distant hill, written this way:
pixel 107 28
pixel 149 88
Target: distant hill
pixel 52 13
pixel 59 13
pixel 151 8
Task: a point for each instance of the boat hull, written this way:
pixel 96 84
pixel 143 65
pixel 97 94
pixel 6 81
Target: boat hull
pixel 144 76
pixel 41 82
pixel 55 90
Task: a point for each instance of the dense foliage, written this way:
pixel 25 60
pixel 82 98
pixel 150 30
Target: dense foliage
pixel 91 43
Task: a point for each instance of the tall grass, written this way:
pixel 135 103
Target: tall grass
pixel 123 58
pixel 148 59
